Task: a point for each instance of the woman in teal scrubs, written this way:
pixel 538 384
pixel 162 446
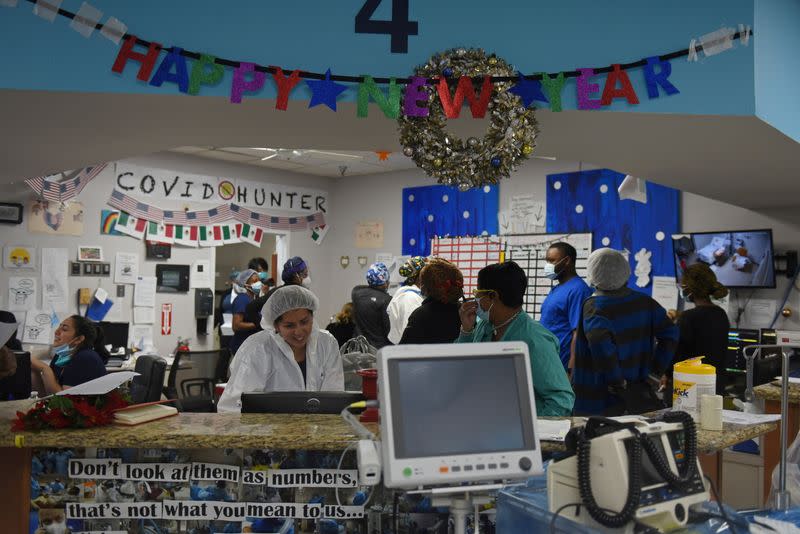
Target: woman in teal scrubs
pixel 496 314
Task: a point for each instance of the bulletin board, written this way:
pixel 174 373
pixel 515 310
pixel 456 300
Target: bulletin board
pixel 470 254
pixel 529 252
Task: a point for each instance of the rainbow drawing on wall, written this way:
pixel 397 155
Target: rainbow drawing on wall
pixel 108 219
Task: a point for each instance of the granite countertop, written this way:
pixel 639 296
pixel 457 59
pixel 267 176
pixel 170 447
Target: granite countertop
pixel 279 431
pixel 772 391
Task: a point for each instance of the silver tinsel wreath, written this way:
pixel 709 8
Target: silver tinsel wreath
pixel 510 137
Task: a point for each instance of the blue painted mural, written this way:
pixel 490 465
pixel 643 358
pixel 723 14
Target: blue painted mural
pixel 587 201
pixel 439 210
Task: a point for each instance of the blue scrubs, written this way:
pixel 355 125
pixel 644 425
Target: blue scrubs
pixel 239 306
pixel 562 311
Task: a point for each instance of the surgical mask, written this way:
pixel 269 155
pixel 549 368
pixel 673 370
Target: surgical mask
pixel 56 528
pixel 62 354
pixel 263 275
pixel 306 283
pixel 550 269
pixel 255 287
pixel 483 315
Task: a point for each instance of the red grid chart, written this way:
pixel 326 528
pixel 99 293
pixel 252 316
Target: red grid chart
pixel 470 254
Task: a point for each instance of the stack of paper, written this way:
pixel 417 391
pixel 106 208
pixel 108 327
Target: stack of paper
pixel 553 429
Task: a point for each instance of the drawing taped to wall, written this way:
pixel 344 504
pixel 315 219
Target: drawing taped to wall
pixel 90 253
pixel 56 218
pixel 19 258
pixel 108 221
pixel 38 328
pixel 22 293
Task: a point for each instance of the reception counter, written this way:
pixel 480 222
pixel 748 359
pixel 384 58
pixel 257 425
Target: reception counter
pixel 223 431
pixel 770 394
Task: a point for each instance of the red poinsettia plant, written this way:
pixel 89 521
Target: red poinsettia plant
pixel 71 411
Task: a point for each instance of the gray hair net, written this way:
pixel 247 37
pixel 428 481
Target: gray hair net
pixel 244 276
pixel 607 269
pixel 287 298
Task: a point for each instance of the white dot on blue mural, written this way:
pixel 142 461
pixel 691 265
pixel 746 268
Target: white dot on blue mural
pixel 466 215
pixel 485 232
pixel 487 189
pixel 660 236
pixel 606 241
pixel 411 198
pixel 579 208
pixel 412 241
pixel 557 185
pixel 445 198
pixel 604 189
pixel 430 218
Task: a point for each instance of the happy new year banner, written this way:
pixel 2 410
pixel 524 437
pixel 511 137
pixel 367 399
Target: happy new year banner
pixel 160 184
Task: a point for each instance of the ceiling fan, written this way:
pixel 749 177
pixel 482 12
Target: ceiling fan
pixel 288 153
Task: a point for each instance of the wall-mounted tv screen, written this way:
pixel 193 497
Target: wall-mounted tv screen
pixel 739 259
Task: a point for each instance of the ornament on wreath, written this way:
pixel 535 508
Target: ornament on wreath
pixel 429 101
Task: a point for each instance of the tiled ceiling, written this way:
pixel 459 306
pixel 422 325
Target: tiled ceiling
pixel 334 163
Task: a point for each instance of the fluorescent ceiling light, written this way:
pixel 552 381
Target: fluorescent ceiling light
pixel 336 154
pixel 270 156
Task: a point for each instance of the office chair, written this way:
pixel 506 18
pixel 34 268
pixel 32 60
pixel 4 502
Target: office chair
pixel 148 385
pixel 193 376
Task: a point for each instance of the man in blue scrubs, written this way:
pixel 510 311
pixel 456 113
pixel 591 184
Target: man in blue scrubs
pixel 563 308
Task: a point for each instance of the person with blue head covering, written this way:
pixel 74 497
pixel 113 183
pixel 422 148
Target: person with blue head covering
pixel 294 273
pixel 369 306
pixel 242 327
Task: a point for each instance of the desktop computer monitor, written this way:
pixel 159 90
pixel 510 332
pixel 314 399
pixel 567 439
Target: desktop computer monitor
pixel 18 385
pixel 456 413
pixel 114 334
pixel 738 339
pixel 311 402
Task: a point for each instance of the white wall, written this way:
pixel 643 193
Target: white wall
pixel 378 197
pixel 94 199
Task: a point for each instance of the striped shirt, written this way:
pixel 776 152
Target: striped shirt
pixel 624 335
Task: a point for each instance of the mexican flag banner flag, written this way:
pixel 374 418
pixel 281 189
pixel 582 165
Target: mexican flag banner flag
pixel 161 232
pixel 207 236
pixel 225 233
pixel 318 233
pixel 186 235
pixel 130 225
pixel 250 234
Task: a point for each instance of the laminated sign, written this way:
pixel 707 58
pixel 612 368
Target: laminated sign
pixel 166 319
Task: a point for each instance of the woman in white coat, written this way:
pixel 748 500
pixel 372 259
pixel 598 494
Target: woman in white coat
pixel 295 356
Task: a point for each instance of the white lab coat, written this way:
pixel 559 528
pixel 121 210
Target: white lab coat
pixel 265 362
pixel 403 303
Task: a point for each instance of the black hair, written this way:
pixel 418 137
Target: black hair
pixel 507 279
pixel 258 263
pixel 92 336
pixel 566 250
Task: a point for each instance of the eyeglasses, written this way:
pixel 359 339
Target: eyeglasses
pixel 479 293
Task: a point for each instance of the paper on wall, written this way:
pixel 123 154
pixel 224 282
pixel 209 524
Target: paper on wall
pixel 141 336
pixel 761 312
pixel 144 292
pixel 126 267
pixel 384 257
pixel 665 292
pixel 200 276
pixel 22 293
pixel 143 315
pixel 369 234
pixel 101 295
pixel 54 278
pixel 37 329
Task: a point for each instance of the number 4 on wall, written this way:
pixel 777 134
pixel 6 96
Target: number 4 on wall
pixel 399 27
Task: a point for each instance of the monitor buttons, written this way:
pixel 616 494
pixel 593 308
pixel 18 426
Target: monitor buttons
pixel 407 472
pixel 444 469
pixel 492 466
pixel 525 463
pixel 504 465
pixel 467 468
pixel 455 468
pixel 480 467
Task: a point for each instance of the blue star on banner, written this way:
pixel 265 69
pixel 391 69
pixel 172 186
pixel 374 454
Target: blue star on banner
pixel 528 91
pixel 325 91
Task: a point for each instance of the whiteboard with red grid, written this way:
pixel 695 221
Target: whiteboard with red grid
pixel 529 250
pixel 470 254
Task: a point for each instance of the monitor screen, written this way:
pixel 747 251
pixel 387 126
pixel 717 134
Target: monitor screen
pixel 739 259
pixel 171 278
pixel 114 334
pixel 738 339
pixel 437 404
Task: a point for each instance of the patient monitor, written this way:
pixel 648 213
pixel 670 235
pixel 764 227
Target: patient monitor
pixel 457 413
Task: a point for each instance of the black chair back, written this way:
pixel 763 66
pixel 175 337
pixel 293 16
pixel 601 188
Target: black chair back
pixel 193 376
pixel 148 385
